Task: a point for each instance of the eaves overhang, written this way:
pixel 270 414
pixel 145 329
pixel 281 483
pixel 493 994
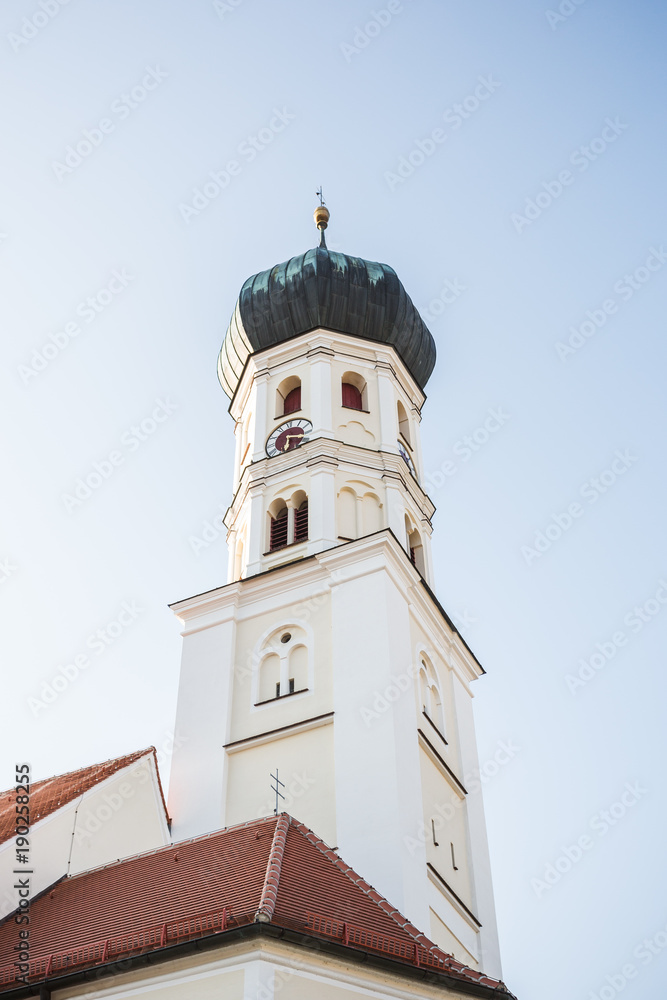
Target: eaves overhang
pixel 251 934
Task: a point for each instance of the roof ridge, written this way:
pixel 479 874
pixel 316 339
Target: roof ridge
pixel 87 767
pixel 366 887
pixel 173 845
pixel 267 902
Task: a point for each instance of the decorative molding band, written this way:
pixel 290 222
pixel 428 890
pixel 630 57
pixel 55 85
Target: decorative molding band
pixel 455 900
pixel 292 730
pixel 441 763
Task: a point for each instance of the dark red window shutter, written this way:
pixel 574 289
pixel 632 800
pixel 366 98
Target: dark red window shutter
pixel 351 396
pixel 301 522
pixel 293 400
pixel 278 530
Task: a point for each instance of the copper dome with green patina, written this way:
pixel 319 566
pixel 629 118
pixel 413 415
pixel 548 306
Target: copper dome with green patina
pixel 322 288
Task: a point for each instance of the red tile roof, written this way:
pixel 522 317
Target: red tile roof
pixel 269 871
pixel 51 793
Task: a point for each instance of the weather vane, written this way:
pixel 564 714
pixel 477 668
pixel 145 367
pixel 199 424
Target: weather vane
pixel 279 785
pixel 320 195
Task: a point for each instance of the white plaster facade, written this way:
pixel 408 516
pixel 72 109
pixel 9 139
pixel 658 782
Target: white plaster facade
pixel 121 816
pixel 329 658
pixel 261 970
pixel 351 470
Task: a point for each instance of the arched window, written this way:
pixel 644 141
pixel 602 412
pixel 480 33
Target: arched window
pixel 424 691
pixel 371 515
pixel 298 669
pixel 269 677
pixel 288 396
pixel 415 547
pixel 285 663
pixel 436 708
pixel 279 524
pixel 430 697
pixel 351 397
pixel 288 521
pixel 301 522
pixel 347 513
pixel 293 400
pixel 354 396
pixel 403 422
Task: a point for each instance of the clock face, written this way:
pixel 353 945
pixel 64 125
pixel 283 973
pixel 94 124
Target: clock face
pixel 288 436
pixel 406 458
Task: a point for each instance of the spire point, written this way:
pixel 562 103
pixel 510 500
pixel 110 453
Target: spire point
pixel 321 216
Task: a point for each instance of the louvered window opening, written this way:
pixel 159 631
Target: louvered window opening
pixel 278 531
pixel 301 523
pixel 351 396
pixel 293 400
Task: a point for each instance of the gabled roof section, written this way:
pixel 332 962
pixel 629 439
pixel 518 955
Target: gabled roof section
pixel 52 793
pixel 270 873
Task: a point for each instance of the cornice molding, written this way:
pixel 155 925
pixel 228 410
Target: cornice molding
pixel 374 353
pixel 325 569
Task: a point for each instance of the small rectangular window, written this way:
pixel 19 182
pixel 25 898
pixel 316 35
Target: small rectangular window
pixel 291 685
pixel 454 866
pixel 278 690
pixel 435 839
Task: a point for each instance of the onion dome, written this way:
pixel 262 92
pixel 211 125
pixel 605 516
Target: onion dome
pixel 322 288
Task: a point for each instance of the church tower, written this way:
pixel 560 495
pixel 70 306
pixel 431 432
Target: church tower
pixel 326 655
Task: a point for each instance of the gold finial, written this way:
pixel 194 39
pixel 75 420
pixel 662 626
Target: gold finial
pixel 321 214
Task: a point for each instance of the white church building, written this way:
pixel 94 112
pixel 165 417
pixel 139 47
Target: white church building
pixel 325 661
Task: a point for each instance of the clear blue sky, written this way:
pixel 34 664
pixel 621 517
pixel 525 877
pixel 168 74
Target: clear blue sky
pixel 509 164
